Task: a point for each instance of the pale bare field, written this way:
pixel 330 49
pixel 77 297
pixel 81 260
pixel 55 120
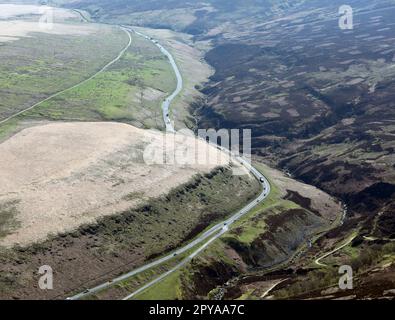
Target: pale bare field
pixel 59 176
pixel 17 10
pixel 14 30
pixel 19 21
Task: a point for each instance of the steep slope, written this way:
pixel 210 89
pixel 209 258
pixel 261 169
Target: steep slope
pixel 318 99
pixel 283 228
pixel 85 196
pixel 194 17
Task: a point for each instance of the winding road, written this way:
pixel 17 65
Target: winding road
pixel 317 261
pixel 266 293
pixel 209 236
pixel 167 102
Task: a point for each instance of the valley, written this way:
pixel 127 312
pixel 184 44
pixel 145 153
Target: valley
pixel 81 103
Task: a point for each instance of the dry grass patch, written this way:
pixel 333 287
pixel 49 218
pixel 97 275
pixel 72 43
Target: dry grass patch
pixel 14 30
pixel 63 175
pixel 8 11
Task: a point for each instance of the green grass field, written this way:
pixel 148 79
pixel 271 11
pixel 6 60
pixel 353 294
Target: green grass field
pixel 167 289
pixel 131 90
pixel 33 68
pixel 121 93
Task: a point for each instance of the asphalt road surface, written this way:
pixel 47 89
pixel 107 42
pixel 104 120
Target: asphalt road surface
pixel 206 238
pixel 167 102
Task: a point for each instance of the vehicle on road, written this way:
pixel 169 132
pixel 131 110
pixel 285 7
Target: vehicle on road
pixel 212 234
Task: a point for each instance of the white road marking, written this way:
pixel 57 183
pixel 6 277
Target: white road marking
pixel 213 233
